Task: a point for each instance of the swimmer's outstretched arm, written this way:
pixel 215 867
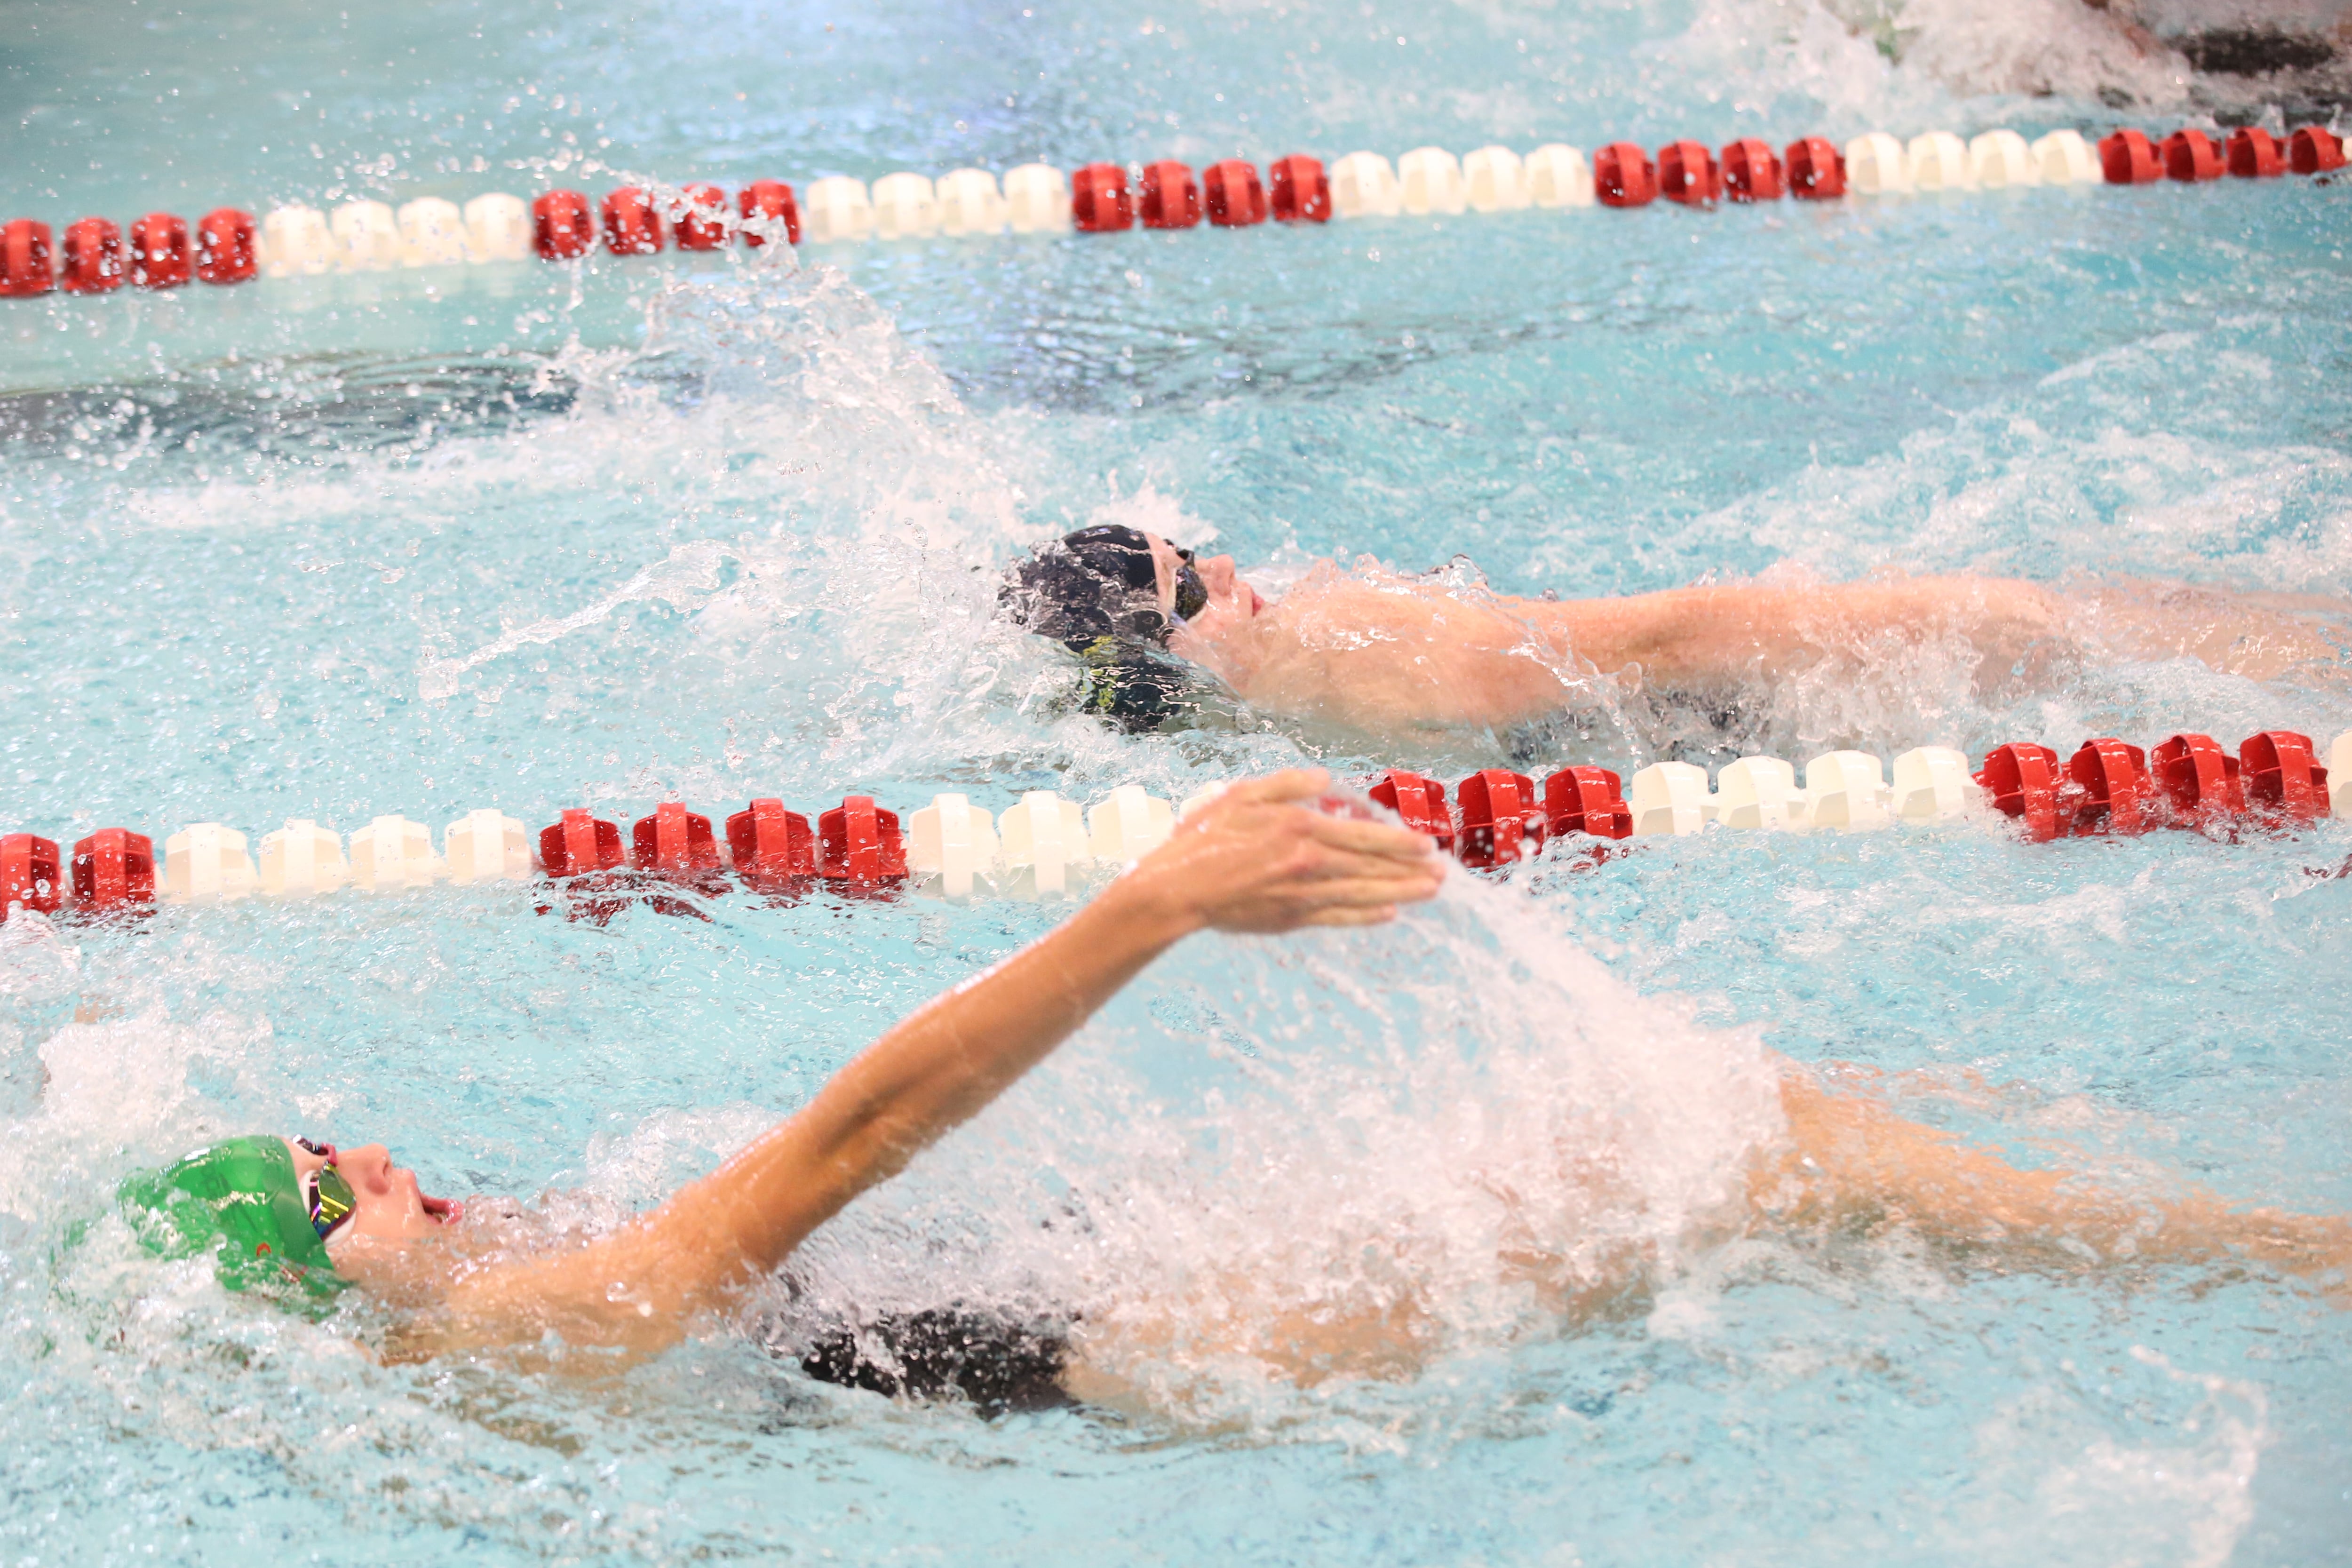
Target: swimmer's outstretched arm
pixel 1260 858
pixel 1850 1157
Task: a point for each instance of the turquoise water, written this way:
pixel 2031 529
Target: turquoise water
pixel 517 536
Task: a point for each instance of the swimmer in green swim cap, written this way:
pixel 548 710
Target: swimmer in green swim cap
pixel 298 1219
pixel 265 1210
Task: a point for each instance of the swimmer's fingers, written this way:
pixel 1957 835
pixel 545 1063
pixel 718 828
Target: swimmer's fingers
pixel 1287 787
pixel 1303 788
pixel 1383 839
pixel 1378 914
pixel 1311 901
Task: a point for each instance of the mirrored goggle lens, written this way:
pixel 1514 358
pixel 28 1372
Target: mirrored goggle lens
pixel 332 1200
pixel 1192 594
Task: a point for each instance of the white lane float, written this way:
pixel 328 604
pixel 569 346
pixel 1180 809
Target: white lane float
pixel 205 863
pixel 2001 161
pixel 1559 177
pixel 837 209
pixel 1939 161
pixel 1428 181
pixel 295 242
pixel 392 854
pixel 1363 184
pixel 952 848
pixel 905 207
pixel 1669 798
pixel 1761 794
pixel 486 845
pixel 498 229
pixel 1036 199
pixel 366 237
pixel 302 860
pixel 1494 180
pixel 1848 790
pixel 1043 839
pixel 1877 165
pixel 1932 783
pixel 1128 826
pixel 2064 158
pixel 432 233
pixel 969 203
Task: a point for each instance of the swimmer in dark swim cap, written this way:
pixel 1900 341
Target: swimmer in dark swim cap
pixel 1114 596
pixel 1388 656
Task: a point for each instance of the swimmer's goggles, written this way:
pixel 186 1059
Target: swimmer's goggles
pixel 326 1192
pixel 1192 594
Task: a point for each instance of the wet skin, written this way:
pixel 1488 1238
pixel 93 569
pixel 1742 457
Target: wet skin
pixel 1386 655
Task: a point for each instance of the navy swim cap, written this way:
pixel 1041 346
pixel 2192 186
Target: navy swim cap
pixel 1097 592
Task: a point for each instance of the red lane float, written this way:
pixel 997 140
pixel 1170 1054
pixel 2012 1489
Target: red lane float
pixel 2128 158
pixel 1500 821
pixel 1419 802
pixel 2315 149
pixel 2254 154
pixel 2200 780
pixel 2190 157
pixel 1751 171
pixel 2279 772
pixel 702 226
pixel 562 227
pixel 769 843
pixel 161 255
pixel 771 200
pixel 1169 198
pixel 2021 779
pixel 2115 793
pixel 1587 800
pixel 26 266
pixel 1230 194
pixel 2112 787
pixel 1686 173
pixel 857 841
pixel 224 246
pixel 1816 169
pixel 578 844
pixel 114 868
pixel 28 874
pixel 1623 177
pixel 675 842
pixel 93 257
pixel 632 226
pixel 1298 190
pixel 1100 202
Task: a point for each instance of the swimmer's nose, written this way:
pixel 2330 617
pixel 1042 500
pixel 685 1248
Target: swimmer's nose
pixel 369 1166
pixel 1217 573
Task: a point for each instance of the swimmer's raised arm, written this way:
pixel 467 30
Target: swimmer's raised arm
pixel 1260 858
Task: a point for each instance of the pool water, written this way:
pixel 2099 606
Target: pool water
pixel 534 537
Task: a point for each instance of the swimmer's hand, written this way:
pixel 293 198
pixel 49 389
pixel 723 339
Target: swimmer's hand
pixel 1263 857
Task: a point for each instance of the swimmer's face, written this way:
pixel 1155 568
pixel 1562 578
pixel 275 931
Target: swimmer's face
pixel 390 1206
pixel 1231 602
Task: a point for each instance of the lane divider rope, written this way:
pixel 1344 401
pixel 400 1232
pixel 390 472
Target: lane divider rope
pixel 228 246
pixel 1045 846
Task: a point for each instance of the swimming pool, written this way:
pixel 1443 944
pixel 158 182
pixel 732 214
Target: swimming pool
pixel 334 547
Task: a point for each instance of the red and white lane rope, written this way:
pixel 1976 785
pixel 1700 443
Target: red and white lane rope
pixel 228 245
pixel 1045 846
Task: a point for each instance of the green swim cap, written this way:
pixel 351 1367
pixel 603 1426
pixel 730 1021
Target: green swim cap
pixel 240 1202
